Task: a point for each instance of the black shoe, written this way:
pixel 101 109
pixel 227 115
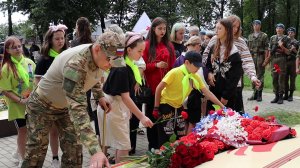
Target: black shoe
pixel 275 100
pixel 259 96
pixel 286 95
pixel 254 96
pixel 290 98
pixel 280 99
pixel 132 152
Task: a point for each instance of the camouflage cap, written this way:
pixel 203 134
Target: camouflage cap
pixel 112 43
pixel 291 29
pixel 280 25
pixel 256 22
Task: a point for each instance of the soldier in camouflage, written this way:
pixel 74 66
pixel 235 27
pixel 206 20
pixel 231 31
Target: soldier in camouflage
pixel 278 52
pixel 290 80
pixel 298 62
pixel 258 46
pixel 60 99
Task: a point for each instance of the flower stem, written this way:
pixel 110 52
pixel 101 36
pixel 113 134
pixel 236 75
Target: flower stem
pixel 158 121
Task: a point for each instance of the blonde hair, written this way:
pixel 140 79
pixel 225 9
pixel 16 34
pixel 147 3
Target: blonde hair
pixel 175 28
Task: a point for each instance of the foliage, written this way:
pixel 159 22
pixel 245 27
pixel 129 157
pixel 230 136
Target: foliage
pixel 126 12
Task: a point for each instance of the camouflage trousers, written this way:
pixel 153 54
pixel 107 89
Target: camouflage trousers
pixel 290 80
pixel 279 77
pixel 260 70
pixel 41 117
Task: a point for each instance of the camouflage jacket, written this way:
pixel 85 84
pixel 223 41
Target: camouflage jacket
pixel 274 47
pixel 258 44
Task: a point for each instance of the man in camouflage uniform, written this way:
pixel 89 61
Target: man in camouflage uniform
pixel 278 52
pixel 258 46
pixel 60 99
pixel 291 66
pixel 298 62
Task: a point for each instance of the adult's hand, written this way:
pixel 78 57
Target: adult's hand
pixel 98 160
pixel 162 64
pixel 105 105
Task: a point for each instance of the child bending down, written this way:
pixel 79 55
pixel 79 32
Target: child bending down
pixel 120 89
pixel 173 90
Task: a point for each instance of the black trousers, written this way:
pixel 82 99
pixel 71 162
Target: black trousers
pixel 173 126
pixel 152 133
pixel 134 124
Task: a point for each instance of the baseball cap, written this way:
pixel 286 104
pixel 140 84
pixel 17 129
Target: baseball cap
pixel 193 40
pixel 194 58
pixel 256 22
pixel 112 43
pixel 291 29
pixel 280 25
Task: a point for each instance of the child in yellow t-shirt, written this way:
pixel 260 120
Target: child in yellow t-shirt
pixel 173 90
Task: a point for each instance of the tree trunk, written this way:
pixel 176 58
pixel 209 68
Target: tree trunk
pixel 222 8
pixel 242 13
pixel 298 17
pixel 9 11
pixel 288 13
pixel 259 15
pixel 102 23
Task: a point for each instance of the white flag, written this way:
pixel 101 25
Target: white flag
pixel 142 25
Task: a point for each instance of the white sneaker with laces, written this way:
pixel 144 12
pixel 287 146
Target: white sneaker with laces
pixel 55 163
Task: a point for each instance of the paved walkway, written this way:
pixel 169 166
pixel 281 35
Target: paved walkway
pixel 8 144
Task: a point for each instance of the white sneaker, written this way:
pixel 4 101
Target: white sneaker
pixel 16 156
pixel 55 163
pixel 20 163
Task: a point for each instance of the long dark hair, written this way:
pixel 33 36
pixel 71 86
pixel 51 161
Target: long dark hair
pixel 10 41
pixel 228 41
pixel 83 32
pixel 153 40
pixel 47 45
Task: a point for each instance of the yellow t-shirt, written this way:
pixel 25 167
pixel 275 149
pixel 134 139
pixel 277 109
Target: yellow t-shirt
pixel 172 93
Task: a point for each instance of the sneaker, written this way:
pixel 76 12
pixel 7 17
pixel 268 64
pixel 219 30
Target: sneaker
pixel 16 156
pixel 55 163
pixel 20 163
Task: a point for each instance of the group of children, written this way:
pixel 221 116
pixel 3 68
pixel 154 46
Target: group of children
pixel 171 76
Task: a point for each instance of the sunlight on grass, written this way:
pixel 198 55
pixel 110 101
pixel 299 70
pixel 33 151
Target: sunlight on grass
pixel 268 83
pixel 284 117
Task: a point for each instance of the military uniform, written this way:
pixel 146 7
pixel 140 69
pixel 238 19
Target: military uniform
pixel 291 69
pixel 278 64
pixel 60 99
pixel 258 44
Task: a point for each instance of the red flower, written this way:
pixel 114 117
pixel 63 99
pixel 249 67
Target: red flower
pixel 162 148
pixel 155 114
pixel 277 68
pixel 182 150
pixel 293 132
pixel 184 115
pixel 193 150
pixel 231 113
pixel 211 112
pixel 176 161
pixel 215 122
pixel 220 112
pixel 266 134
pixel 255 108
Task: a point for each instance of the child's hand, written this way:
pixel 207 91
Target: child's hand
pixel 146 122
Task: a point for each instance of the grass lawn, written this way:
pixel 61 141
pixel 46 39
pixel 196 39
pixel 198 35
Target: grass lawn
pixel 268 83
pixel 284 117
